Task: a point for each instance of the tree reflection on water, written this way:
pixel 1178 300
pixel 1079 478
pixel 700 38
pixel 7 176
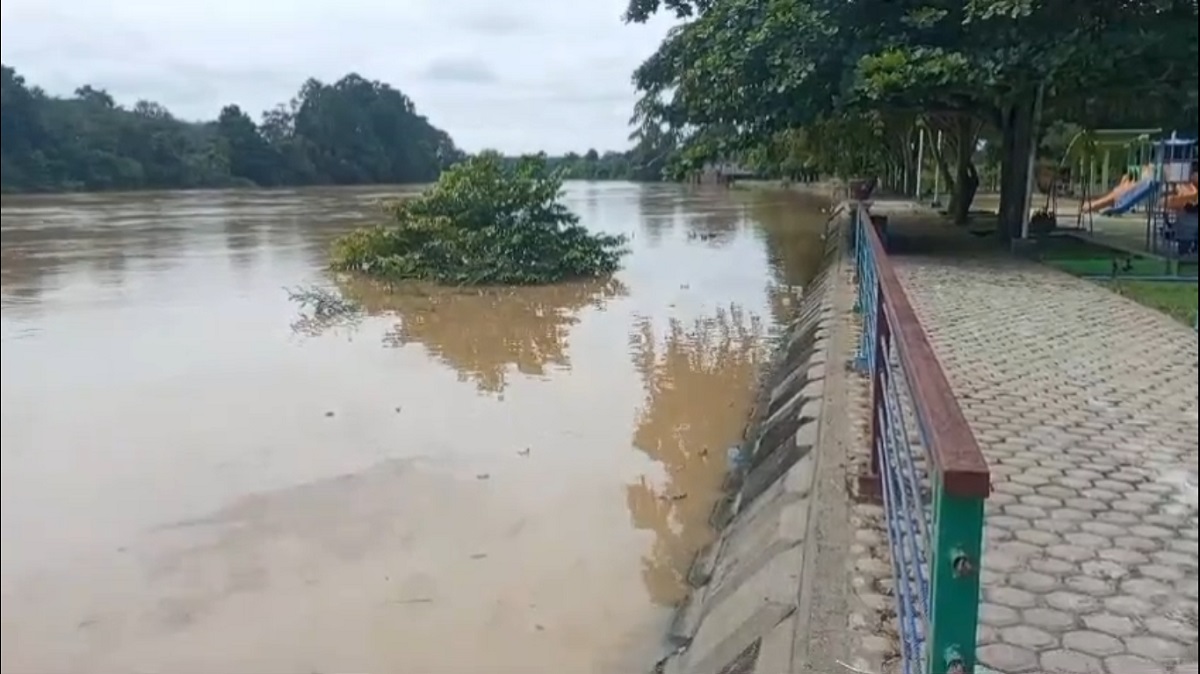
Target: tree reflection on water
pixel 483 333
pixel 699 381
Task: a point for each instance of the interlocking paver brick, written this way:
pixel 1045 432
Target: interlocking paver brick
pixel 1064 661
pixel 1110 623
pixel 1007 658
pixel 1132 664
pixel 1085 405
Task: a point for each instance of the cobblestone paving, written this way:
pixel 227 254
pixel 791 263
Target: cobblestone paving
pixel 871 621
pixel 1086 407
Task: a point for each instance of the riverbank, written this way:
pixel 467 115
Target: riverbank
pixel 772 594
pixel 830 189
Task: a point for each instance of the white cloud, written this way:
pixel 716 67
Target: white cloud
pixel 522 75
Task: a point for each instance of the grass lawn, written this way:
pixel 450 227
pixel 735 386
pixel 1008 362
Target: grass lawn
pixel 1084 258
pixel 1176 299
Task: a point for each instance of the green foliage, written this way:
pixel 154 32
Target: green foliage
pixel 322 309
pixel 592 165
pixel 350 132
pixel 485 222
pixel 757 66
pixel 753 69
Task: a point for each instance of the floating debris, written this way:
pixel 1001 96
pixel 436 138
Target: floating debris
pixel 737 458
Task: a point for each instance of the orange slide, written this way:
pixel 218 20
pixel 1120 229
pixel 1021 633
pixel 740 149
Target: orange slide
pixel 1184 194
pixel 1110 198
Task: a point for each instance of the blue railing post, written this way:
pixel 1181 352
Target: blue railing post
pixel 933 511
pixel 867 291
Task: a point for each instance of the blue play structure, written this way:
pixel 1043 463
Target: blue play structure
pixel 1171 218
pixel 1134 196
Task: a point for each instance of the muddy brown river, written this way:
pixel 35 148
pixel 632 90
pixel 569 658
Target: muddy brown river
pixel 199 478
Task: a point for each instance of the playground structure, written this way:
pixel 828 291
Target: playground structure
pixel 1076 173
pixel 1129 193
pixel 1171 221
pixel 1159 179
pixel 1162 171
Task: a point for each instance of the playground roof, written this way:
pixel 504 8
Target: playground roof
pixel 1122 136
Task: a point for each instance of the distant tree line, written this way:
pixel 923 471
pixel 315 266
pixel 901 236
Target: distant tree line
pixel 354 131
pixel 637 164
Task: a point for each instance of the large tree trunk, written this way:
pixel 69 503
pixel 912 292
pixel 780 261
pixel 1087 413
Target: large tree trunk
pixel 961 133
pixel 966 176
pixel 1017 132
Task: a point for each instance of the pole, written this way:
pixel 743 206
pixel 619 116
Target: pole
pixel 906 174
pixel 937 174
pixel 1033 144
pixel 920 160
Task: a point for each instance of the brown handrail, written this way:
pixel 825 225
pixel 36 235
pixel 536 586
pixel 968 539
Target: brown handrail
pixel 952 445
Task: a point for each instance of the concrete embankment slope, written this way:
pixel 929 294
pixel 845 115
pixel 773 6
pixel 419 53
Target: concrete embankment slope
pixel 753 605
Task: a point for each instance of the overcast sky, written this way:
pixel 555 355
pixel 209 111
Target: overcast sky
pixel 517 75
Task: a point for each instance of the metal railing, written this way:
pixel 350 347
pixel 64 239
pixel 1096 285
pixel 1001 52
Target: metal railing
pixel 927 469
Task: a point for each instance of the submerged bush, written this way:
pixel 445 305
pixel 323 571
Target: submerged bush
pixel 483 223
pixel 322 309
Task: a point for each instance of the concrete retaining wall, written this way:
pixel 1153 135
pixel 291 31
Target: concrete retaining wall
pixel 741 617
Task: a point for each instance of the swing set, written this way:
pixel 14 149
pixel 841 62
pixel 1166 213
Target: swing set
pixel 1085 169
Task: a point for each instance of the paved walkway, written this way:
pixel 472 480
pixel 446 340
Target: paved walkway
pixel 1085 404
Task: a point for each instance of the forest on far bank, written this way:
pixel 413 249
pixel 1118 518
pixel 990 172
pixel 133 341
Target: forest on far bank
pixel 354 131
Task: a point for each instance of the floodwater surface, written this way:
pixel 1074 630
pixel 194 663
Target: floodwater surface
pixel 200 477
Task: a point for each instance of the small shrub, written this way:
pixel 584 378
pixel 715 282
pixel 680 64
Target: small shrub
pixel 483 223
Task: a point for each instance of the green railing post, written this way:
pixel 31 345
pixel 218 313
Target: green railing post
pixel 954 577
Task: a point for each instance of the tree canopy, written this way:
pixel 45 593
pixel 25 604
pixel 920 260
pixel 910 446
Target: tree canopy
pixel 350 132
pixel 742 74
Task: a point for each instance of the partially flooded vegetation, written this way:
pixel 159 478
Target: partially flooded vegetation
pixel 484 222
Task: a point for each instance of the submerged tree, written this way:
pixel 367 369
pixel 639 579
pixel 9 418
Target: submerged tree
pixel 485 222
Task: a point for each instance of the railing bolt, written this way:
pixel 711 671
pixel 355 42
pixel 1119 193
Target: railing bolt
pixel 962 566
pixel 954 662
